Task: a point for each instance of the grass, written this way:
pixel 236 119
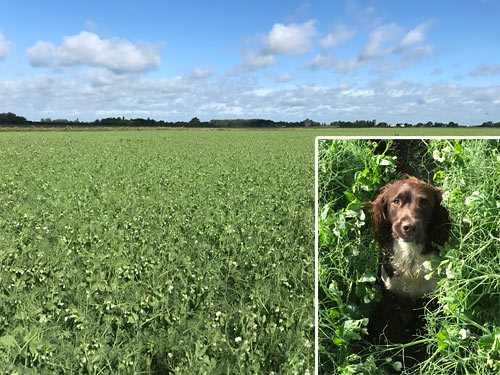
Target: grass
pixel 462 334
pixel 156 252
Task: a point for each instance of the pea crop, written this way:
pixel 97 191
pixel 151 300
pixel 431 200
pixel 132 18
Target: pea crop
pixel 462 319
pixel 149 252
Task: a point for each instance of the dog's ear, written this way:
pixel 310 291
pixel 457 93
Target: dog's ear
pixel 381 223
pixel 440 227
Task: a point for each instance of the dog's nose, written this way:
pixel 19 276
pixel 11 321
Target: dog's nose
pixel 407 226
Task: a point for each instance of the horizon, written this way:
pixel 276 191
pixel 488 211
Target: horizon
pixel 341 61
pixel 333 123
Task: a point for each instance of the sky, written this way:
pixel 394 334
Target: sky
pixel 392 61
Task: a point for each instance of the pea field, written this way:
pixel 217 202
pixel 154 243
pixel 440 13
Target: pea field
pixel 461 324
pixel 192 252
pixel 157 252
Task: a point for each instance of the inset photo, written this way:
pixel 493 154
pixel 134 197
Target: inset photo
pixel 408 256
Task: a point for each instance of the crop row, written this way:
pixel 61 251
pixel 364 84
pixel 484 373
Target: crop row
pixel 156 252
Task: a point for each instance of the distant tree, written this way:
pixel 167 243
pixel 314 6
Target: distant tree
pixel 195 121
pixel 10 118
pixel 452 124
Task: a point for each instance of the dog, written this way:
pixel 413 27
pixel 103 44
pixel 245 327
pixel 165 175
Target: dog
pixel 409 221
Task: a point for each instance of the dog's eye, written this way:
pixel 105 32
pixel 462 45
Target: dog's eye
pixel 396 202
pixel 423 203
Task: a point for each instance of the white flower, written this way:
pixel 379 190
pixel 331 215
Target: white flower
pixel 238 339
pixel 397 366
pixel 446 195
pixel 436 155
pixel 463 334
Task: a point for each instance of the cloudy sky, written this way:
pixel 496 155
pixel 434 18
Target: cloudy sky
pixel 393 61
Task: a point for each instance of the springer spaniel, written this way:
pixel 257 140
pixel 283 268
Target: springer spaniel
pixel 408 221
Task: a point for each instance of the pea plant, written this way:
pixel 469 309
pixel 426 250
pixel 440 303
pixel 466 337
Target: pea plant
pixel 348 260
pixel 462 329
pixel 156 252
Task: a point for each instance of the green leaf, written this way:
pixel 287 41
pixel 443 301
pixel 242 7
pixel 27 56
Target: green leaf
pixel 438 175
pixel 8 341
pixel 387 162
pixel 133 318
pixel 350 196
pixel 338 341
pixel 368 277
pixel 486 341
pixel 334 314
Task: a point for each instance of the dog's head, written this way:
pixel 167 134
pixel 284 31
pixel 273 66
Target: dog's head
pixel 410 210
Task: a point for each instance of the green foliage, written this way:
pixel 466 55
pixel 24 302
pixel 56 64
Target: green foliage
pixel 463 333
pixel 350 172
pixel 466 325
pixel 156 253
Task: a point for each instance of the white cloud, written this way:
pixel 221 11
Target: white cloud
pixel 102 93
pixel 102 78
pixel 378 39
pixel 292 39
pixel 381 49
pixel 258 60
pixel 202 73
pixel 415 55
pixel 365 16
pixel 42 54
pixel 86 48
pixel 417 35
pixel 335 63
pixel 4 46
pixel 285 78
pixel 486 70
pixel 409 58
pixel 340 35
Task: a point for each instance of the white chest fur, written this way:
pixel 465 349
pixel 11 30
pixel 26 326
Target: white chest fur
pixel 409 271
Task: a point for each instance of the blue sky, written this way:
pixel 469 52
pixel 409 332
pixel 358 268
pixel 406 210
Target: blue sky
pixel 393 61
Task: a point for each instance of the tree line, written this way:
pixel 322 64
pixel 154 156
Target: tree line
pixel 11 119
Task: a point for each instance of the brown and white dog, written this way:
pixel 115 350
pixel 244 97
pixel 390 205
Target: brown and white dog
pixel 408 221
